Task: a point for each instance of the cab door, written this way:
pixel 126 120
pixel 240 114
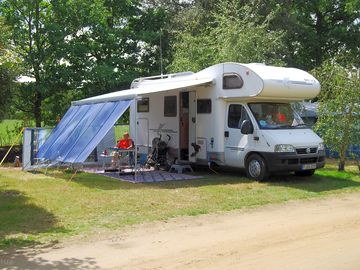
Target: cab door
pixel 235 141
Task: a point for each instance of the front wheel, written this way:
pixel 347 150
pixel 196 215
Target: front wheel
pixel 256 168
pixel 305 173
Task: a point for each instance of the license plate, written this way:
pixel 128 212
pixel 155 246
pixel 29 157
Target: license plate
pixel 308 166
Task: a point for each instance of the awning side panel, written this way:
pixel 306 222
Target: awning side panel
pixel 67 118
pixel 71 135
pixel 76 138
pixel 95 132
pixel 55 149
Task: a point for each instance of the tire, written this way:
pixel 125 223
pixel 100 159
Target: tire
pixel 305 173
pixel 256 168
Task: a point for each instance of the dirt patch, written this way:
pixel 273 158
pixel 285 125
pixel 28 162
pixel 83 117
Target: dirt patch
pixel 317 234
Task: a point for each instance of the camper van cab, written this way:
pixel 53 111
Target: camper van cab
pixel 230 114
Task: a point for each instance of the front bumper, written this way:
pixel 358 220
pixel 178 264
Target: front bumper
pixel 285 162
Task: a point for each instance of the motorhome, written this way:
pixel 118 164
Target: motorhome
pixel 229 114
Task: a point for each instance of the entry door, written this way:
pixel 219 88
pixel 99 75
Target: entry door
pixel 142 135
pixel 187 125
pixel 235 141
pixel 192 126
pixel 184 126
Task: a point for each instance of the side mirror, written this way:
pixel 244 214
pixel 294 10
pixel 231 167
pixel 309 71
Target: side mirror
pixel 246 127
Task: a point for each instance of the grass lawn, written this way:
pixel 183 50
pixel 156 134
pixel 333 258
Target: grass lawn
pixel 9 131
pixel 38 208
pixel 120 130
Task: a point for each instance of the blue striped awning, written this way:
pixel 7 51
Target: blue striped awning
pixel 81 130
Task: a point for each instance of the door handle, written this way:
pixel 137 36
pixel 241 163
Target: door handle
pixel 226 134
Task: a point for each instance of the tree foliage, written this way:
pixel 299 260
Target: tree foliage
pixel 339 109
pixel 320 30
pixel 232 34
pixel 34 37
pixel 311 31
pixel 7 70
pixel 80 48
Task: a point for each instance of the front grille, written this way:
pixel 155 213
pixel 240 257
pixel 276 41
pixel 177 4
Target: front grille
pixel 302 151
pixel 293 161
pixel 308 160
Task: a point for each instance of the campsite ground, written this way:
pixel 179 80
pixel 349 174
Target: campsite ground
pixel 314 234
pixel 49 210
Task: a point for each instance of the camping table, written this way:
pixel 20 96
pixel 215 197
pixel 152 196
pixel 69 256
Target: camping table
pixel 122 153
pixel 105 159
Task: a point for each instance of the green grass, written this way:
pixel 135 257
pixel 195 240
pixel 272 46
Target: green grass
pixel 120 130
pixel 9 130
pixel 38 208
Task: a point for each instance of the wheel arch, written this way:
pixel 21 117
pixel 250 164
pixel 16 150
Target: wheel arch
pixel 251 153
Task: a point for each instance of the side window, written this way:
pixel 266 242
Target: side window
pixel 237 114
pixel 170 106
pixel 232 81
pixel 143 105
pixel 204 106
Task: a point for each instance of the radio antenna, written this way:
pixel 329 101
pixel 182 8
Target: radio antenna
pixel 161 60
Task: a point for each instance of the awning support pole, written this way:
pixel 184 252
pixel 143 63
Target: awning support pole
pixel 136 127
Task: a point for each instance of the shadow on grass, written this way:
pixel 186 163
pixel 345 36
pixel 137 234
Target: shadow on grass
pixel 15 260
pixel 19 220
pixel 324 180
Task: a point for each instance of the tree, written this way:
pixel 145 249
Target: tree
pixel 35 34
pixel 232 34
pixel 80 48
pixel 313 31
pixel 339 109
pixel 7 71
pixel 319 30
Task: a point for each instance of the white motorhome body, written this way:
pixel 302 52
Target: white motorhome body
pixel 204 114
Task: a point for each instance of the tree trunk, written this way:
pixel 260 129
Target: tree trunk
pixel 342 157
pixel 341 166
pixel 345 143
pixel 37 109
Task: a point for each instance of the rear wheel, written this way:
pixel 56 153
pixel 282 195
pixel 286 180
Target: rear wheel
pixel 305 173
pixel 256 168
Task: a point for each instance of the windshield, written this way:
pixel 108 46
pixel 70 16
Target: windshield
pixel 276 116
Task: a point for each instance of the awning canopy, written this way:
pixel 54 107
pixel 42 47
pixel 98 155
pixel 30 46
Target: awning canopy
pixel 148 87
pixel 81 130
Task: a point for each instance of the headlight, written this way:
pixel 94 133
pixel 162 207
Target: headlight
pixel 284 148
pixel 321 146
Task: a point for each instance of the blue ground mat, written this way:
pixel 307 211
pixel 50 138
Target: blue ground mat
pixel 147 176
